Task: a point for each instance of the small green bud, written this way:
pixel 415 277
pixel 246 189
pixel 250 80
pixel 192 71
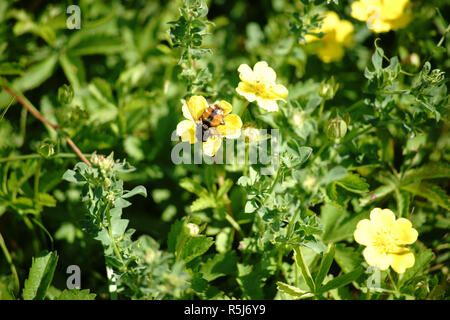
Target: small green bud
pixel 47 148
pixel 328 89
pixel 65 94
pixel 336 129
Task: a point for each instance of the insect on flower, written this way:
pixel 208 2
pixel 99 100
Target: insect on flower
pixel 208 123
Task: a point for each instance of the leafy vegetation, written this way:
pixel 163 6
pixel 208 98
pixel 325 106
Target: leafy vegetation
pixel 89 122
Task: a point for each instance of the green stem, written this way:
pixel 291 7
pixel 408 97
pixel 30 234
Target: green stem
pixel 11 264
pixel 396 292
pixel 38 156
pixel 322 104
pixel 113 240
pixel 275 180
pixel 244 107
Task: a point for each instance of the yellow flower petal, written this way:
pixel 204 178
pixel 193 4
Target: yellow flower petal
pixel 279 91
pixel 377 259
pixel 344 32
pixel 232 127
pixel 227 108
pixel 247 91
pixel 404 232
pixel 401 262
pixel 393 9
pixel 360 11
pixel 186 130
pixel 264 73
pixel 196 105
pixel 211 145
pixel 330 51
pixel 383 219
pixel 365 232
pixel 266 104
pixel 246 73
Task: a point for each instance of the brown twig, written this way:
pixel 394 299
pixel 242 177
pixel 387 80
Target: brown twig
pixel 38 116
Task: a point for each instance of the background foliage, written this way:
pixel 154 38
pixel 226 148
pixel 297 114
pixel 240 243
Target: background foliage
pixel 216 231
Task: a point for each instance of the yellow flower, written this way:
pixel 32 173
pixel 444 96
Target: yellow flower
pixel 190 129
pixel 385 239
pixel 337 35
pixel 382 15
pixel 259 84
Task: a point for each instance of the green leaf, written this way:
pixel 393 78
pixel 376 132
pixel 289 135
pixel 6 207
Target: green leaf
pixel 422 259
pixel 137 190
pixel 73 69
pixel 10 68
pixel 76 294
pixel 337 173
pixel 377 194
pixel 73 176
pixel 40 276
pixel 430 171
pixel 354 183
pixel 192 186
pixel 221 265
pixel 204 202
pixel 431 192
pixel 377 60
pixel 250 282
pixel 325 265
pixel 98 44
pixel 293 291
pixel 342 280
pixel 195 246
pixel 36 74
pixel 403 202
pixel 175 234
pixel 347 258
pixel 301 264
pixel 228 183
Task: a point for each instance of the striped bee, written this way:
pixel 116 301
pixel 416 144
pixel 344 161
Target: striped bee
pixel 210 119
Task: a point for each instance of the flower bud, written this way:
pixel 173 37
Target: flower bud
pixel 65 94
pixel 328 88
pixel 336 129
pixel 193 229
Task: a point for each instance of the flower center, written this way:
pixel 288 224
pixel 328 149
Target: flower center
pixel 260 87
pixel 385 242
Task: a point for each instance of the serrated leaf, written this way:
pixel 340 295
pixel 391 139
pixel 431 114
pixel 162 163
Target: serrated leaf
pixel 221 265
pixel 430 171
pixel 293 291
pixel 430 192
pixel 377 194
pixel 195 246
pixel 354 183
pixel 342 280
pixel 76 294
pixel 325 265
pixel 337 173
pixel 347 258
pixel 303 267
pixel 202 203
pixel 36 74
pixel 40 276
